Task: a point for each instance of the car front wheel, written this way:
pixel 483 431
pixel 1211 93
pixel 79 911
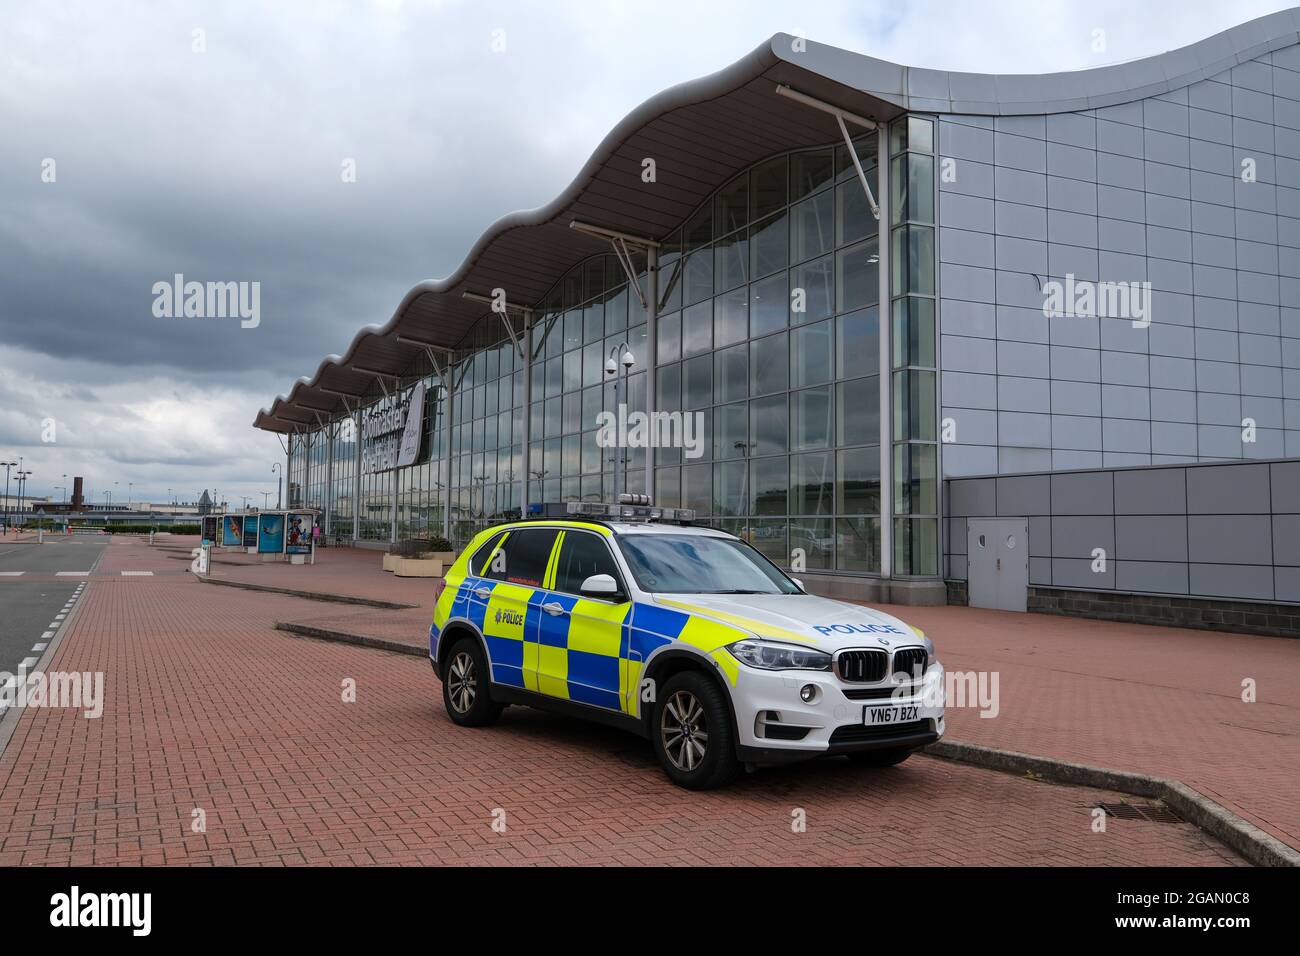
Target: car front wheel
pixel 692 733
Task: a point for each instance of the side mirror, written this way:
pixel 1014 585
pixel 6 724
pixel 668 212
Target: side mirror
pixel 799 584
pixel 600 586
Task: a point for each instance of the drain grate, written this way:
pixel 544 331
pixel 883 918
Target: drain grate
pixel 1151 812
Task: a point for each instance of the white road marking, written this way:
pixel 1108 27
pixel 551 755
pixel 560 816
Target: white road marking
pixel 11 574
pixel 27 664
pixel 71 574
pixel 47 635
pixel 146 574
pixel 40 647
pixel 59 617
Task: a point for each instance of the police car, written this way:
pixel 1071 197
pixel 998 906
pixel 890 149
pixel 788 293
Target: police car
pixel 630 615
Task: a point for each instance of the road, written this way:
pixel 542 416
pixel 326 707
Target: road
pixel 33 593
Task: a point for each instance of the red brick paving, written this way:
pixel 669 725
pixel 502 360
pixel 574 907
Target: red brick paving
pixel 1159 700
pixel 209 708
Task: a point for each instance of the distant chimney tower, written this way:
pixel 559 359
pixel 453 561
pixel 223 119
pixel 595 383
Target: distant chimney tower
pixel 78 499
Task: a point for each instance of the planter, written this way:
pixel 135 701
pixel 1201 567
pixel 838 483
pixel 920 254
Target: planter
pixel 417 567
pixel 446 557
pixel 390 561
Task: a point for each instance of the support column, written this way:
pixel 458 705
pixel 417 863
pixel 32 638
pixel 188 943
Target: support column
pixel 886 324
pixel 305 497
pixel 356 477
pixel 448 427
pixel 651 358
pixel 526 457
pixel 329 480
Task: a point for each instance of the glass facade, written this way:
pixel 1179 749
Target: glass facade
pixel 914 372
pixel 767 345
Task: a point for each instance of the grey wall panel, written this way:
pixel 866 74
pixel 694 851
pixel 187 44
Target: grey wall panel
pixel 1287 584
pixel 1252 582
pixel 1285 485
pixel 1151 576
pixel 1024 496
pixel 1040 571
pixel 973 496
pixel 1151 538
pixel 1228 489
pixel 1078 573
pixel 1083 494
pixel 1078 537
pixel 1230 539
pixel 1286 540
pixel 1155 491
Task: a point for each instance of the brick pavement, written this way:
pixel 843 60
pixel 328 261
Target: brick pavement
pixel 1158 700
pixel 208 708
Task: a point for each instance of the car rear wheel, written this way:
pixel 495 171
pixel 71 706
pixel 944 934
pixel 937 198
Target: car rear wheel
pixel 465 686
pixel 880 758
pixel 692 733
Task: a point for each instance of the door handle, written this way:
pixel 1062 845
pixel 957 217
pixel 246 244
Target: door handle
pixel 554 609
pixel 482 593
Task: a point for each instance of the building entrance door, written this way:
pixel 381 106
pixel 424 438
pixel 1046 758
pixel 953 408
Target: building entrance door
pixel 997 552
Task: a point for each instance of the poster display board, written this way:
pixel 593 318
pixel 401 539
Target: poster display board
pixel 298 534
pixel 232 531
pixel 211 525
pixel 250 531
pixel 270 533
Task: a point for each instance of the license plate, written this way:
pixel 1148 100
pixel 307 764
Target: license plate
pixel 890 714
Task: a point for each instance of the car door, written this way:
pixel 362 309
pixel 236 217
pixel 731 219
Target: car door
pixel 582 642
pixel 510 590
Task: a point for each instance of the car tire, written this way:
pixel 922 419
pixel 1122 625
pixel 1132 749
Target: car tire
pixel 692 733
pixel 465 686
pixel 880 758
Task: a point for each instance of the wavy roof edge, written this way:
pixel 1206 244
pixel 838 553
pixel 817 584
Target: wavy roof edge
pixel 906 88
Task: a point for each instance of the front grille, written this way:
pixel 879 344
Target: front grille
pixel 911 660
pixel 855 733
pixel 862 667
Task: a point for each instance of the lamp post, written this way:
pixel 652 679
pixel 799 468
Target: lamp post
pixel 619 364
pixel 130 485
pixel 8 465
pixel 22 489
pixel 266 498
pixel 279 474
pixel 65 489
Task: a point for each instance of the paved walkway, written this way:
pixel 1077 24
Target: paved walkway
pixel 1165 701
pixel 210 714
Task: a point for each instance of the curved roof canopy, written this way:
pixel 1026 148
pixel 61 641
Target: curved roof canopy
pixel 701 133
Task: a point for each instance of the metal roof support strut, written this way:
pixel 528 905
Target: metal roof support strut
pixel 840 116
pixel 620 241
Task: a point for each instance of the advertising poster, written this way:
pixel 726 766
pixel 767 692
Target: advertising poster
pixel 270 534
pixel 232 531
pixel 298 539
pixel 250 531
pixel 210 528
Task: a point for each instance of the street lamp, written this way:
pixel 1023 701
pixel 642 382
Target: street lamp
pixel 65 489
pixel 266 496
pixel 619 364
pixel 22 488
pixel 8 465
pixel 129 485
pixel 279 474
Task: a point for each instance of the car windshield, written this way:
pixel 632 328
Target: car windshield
pixel 701 564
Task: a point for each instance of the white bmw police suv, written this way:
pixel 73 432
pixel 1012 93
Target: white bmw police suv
pixel 629 615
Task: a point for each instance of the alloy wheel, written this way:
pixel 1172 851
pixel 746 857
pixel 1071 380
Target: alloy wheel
pixel 684 731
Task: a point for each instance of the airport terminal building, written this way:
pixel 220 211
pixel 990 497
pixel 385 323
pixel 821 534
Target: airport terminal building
pixel 1018 340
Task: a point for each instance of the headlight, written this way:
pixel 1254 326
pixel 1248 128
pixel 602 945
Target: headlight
pixel 772 656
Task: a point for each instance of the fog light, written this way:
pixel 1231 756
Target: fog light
pixel 808 693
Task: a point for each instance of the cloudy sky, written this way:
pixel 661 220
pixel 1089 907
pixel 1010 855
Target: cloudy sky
pixel 218 155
